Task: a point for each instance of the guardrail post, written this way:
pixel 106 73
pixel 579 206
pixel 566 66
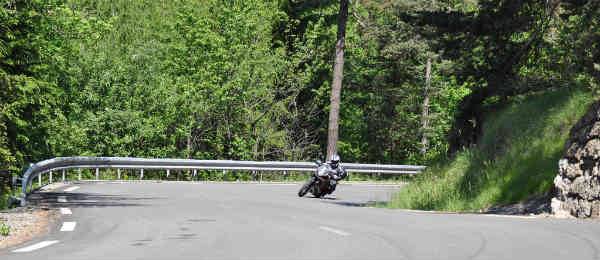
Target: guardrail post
pixel 118 174
pixel 168 173
pixel 97 174
pixel 141 174
pixel 50 178
pixel 260 180
pixel 79 174
pixel 64 177
pixel 195 174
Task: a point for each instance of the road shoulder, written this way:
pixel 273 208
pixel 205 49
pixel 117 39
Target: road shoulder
pixel 26 223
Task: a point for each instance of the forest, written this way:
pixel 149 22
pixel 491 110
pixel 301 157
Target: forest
pixel 250 80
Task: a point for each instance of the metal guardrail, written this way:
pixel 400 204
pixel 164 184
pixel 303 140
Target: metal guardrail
pixel 64 163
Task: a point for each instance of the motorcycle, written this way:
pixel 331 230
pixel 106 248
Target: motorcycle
pixel 318 184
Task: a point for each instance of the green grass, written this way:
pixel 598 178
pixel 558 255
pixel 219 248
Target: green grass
pixel 516 158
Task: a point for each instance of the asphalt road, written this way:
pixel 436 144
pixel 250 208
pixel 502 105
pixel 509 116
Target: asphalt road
pixel 263 221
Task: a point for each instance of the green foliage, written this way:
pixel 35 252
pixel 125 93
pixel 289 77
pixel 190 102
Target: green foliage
pixel 6 157
pixel 5 193
pixel 228 74
pixel 4 229
pixel 383 80
pixel 516 157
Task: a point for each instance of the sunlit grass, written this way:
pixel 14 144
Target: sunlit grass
pixel 516 157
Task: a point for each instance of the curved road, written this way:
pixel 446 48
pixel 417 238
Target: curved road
pixel 182 220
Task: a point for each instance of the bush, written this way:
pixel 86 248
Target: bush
pixel 4 230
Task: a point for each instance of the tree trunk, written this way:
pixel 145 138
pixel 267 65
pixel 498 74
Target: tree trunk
pixel 338 76
pixel 425 112
pixel 189 145
pixel 467 123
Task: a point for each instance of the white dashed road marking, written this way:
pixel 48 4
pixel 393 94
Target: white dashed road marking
pixel 72 188
pixel 336 231
pixel 62 199
pixel 35 246
pixel 65 211
pixel 68 226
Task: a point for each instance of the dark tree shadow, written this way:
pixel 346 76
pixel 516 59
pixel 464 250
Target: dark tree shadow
pixel 74 200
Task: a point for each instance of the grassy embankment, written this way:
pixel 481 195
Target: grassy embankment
pixel 516 158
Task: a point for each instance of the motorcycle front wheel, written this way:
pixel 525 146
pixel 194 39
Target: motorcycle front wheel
pixel 305 188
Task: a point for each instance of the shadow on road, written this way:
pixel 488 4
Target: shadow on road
pixel 50 200
pixel 324 198
pixel 370 203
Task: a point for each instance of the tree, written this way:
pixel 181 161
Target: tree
pixel 338 76
pixel 425 112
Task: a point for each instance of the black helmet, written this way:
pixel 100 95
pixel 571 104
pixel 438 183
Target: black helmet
pixel 334 161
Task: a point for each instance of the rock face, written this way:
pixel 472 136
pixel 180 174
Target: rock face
pixel 578 181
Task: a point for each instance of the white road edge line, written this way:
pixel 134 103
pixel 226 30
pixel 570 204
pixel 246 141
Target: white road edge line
pixel 37 246
pixel 65 211
pixel 508 216
pixel 62 199
pixel 469 214
pixel 68 226
pixel 336 231
pixel 72 188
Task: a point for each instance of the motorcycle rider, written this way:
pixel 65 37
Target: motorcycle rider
pixel 334 169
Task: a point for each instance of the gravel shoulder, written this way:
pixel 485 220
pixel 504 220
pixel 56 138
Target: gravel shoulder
pixel 26 223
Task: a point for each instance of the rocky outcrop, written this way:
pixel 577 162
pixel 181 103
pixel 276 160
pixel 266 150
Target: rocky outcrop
pixel 578 181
